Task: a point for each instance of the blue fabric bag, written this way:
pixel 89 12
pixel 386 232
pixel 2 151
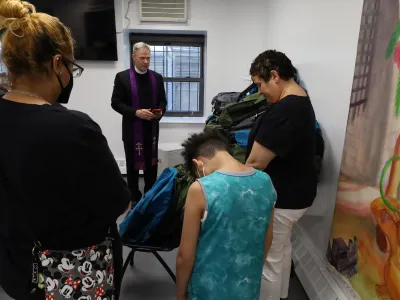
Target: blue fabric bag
pixel 143 220
pixel 242 137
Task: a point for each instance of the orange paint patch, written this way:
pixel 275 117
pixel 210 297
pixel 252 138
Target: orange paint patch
pixel 353 218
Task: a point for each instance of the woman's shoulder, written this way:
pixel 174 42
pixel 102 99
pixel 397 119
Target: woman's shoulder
pixel 52 117
pixel 73 116
pixel 291 105
pixel 70 123
pixel 293 99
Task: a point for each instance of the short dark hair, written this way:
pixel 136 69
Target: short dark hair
pixel 272 60
pixel 204 144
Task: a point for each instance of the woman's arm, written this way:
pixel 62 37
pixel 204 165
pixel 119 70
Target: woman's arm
pixel 101 187
pixel 274 137
pixel 260 157
pixel 194 210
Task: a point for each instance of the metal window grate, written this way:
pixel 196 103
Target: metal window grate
pixel 179 59
pixel 365 52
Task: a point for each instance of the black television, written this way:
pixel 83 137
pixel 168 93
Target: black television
pixel 92 23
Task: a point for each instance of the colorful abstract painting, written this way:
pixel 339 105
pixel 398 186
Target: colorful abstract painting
pixel 365 239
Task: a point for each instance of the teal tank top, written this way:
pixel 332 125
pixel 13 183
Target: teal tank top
pixel 230 250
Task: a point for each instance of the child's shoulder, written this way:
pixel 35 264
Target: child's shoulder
pixel 265 179
pixel 263 175
pixel 195 186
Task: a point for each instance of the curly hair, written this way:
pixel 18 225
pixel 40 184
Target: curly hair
pixel 272 60
pixel 204 144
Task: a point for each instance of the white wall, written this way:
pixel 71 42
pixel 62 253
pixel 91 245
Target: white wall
pixel 235 35
pixel 321 38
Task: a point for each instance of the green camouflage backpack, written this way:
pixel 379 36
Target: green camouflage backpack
pixel 234 113
pixel 239 153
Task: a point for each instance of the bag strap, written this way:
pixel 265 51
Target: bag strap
pixel 243 94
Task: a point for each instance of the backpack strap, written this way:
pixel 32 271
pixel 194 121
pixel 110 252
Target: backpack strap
pixel 243 94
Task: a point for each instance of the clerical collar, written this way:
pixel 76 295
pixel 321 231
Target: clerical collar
pixel 140 72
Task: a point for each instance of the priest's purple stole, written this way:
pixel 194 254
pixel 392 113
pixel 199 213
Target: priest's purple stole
pixel 139 151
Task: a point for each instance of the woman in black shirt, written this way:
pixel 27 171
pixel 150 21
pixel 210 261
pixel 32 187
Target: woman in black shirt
pixel 60 183
pixel 282 143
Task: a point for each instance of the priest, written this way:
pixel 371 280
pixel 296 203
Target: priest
pixel 139 96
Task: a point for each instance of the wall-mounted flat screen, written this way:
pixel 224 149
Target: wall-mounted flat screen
pixel 92 23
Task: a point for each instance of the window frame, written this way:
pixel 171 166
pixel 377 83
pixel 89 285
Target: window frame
pixel 192 40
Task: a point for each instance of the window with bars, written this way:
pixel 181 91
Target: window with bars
pixel 365 52
pixel 180 60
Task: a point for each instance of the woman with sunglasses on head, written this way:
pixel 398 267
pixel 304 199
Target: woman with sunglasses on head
pixel 60 188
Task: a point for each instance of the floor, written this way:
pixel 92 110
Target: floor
pixel 148 280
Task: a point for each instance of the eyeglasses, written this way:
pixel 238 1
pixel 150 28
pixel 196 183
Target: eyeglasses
pixel 77 70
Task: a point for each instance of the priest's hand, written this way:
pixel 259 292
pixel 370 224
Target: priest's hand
pixel 145 114
pixel 158 116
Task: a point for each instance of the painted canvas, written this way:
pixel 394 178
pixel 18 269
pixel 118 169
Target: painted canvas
pixel 365 239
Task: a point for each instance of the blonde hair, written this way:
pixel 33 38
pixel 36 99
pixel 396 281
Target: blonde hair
pixel 139 46
pixel 31 39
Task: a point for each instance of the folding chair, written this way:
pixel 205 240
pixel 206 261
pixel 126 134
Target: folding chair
pixel 147 249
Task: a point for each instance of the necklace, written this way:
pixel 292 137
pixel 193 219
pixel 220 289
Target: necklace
pixel 28 94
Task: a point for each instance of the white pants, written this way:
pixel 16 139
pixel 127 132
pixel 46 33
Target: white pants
pixel 276 271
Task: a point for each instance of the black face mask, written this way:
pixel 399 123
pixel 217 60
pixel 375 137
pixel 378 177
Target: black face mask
pixel 63 98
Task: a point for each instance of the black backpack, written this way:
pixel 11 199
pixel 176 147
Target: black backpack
pixel 223 99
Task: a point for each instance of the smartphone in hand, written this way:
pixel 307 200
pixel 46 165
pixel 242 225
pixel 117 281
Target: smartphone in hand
pixel 156 111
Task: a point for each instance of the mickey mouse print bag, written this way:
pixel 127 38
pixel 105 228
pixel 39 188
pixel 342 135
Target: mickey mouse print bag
pixel 85 274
